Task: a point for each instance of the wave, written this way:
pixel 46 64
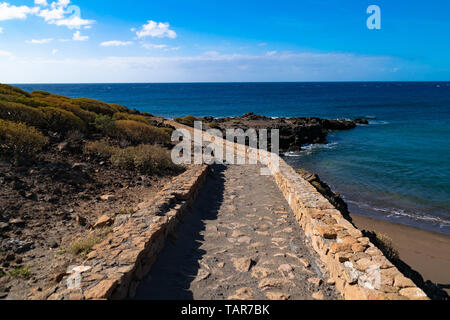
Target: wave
pixel 396 213
pixel 378 122
pixel 310 148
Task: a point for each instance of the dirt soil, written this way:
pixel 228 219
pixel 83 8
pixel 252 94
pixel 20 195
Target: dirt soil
pixel 48 203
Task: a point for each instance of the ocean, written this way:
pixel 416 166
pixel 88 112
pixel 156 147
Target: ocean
pixel 396 169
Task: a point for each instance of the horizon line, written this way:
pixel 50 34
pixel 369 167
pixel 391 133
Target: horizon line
pixel 227 82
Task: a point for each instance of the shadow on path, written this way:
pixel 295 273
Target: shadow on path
pixel 178 264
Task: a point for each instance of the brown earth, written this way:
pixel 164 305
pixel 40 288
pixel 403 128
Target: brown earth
pixel 49 203
pixel 425 251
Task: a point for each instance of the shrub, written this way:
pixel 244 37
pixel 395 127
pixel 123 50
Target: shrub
pixel 95 106
pixel 61 120
pixel 20 139
pixel 53 101
pixel 10 90
pixel 138 132
pixel 99 148
pixel 105 124
pixel 31 102
pixel 18 112
pixel 145 158
pixel 385 244
pixel 188 120
pixel 128 116
pixel 20 272
pixel 119 107
pixel 84 246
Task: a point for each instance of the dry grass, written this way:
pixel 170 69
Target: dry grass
pixel 84 245
pixel 99 148
pixel 20 139
pixel 188 120
pixel 138 132
pixel 384 243
pixel 20 273
pixel 147 159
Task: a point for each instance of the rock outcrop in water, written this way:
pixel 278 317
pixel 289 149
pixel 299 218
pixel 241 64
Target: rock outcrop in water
pixel 294 132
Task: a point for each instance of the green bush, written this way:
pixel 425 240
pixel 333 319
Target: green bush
pixel 20 272
pixel 10 90
pixel 61 120
pixel 65 104
pixel 20 139
pixel 138 132
pixel 188 120
pixel 31 102
pixel 147 159
pixel 105 124
pixel 127 116
pixel 95 106
pixel 18 112
pixel 119 107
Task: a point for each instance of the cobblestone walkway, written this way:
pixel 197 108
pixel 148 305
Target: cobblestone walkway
pixel 240 241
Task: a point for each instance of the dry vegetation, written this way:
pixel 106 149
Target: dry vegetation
pixel 58 157
pixel 29 120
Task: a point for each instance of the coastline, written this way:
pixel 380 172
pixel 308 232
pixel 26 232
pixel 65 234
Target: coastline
pixel 425 251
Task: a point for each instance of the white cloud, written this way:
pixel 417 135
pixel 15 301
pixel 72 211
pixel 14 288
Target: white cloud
pixel 55 51
pixel 52 14
pixel 39 41
pixel 9 12
pixel 116 43
pixel 271 53
pixel 1 30
pixel 155 30
pixel 154 46
pixel 7 54
pixel 73 22
pixel 42 3
pixel 78 37
pixel 61 14
pixel 303 66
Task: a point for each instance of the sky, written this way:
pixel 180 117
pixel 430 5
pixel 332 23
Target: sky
pixel 86 41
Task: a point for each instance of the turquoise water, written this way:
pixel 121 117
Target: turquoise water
pixel 397 168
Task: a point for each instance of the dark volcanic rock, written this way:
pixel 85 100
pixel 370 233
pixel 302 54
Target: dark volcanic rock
pixel 294 132
pixel 362 121
pixel 334 198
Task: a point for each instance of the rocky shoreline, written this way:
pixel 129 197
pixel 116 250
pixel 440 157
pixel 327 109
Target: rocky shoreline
pixel 294 132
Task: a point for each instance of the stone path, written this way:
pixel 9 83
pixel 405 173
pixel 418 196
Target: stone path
pixel 240 241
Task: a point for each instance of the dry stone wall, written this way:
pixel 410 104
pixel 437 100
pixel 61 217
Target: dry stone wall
pixel 358 268
pixel 114 268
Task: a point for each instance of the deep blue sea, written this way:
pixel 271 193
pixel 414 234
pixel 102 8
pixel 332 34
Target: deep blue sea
pixel 397 168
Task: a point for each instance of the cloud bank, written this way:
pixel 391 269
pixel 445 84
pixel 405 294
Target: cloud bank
pixel 304 66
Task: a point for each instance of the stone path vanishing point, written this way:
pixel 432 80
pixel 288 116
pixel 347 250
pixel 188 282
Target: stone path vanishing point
pixel 239 241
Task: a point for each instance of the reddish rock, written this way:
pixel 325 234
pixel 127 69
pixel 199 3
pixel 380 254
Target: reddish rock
pixel 102 290
pixel 103 221
pixel 326 232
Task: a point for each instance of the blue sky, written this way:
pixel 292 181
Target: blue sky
pixel 64 41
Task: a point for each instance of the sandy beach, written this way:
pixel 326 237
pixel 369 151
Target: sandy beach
pixel 426 252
